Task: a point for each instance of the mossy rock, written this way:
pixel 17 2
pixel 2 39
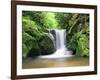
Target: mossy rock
pixel 46 45
pixel 24 51
pixel 30 46
pixel 34 51
pixel 53 33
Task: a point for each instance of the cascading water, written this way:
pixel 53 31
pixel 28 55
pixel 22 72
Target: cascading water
pixel 60 39
pixel 60 45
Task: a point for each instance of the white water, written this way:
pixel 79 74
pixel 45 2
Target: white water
pixel 60 39
pixel 60 45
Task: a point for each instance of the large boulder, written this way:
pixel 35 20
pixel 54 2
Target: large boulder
pixel 46 44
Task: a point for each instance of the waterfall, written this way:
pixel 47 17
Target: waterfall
pixel 60 39
pixel 60 45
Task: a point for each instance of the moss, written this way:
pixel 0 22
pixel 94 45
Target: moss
pixel 46 45
pixel 80 43
pixel 30 45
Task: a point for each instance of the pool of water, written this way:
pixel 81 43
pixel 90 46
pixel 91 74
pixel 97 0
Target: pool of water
pixel 59 62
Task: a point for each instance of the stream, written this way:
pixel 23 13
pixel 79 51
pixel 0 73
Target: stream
pixel 59 62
